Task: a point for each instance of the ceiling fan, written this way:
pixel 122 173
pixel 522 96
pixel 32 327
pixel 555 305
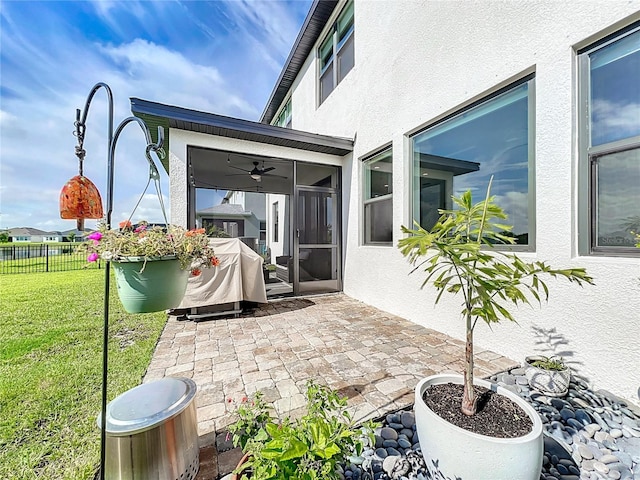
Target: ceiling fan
pixel 257 173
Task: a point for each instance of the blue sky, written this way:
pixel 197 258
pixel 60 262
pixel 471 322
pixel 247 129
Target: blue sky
pixel 221 56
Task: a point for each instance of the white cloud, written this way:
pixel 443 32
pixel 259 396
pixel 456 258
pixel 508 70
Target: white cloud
pixel 615 119
pixel 149 209
pixel 50 66
pixel 515 205
pixel 6 119
pixel 167 76
pixel 269 26
pixel 113 12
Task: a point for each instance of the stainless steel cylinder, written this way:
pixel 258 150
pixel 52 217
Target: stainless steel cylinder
pixel 152 432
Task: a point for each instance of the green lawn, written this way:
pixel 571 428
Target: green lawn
pixel 51 367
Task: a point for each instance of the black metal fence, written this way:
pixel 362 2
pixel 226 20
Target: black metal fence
pixel 43 257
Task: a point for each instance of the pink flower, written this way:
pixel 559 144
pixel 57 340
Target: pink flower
pixel 92 257
pixel 95 236
pixel 140 228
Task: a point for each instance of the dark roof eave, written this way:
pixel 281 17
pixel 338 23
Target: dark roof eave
pixel 203 122
pixel 314 23
pixel 223 215
pixel 453 165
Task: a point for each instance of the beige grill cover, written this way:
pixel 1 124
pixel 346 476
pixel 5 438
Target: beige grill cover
pixel 238 277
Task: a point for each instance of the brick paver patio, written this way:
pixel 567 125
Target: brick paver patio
pixel 371 356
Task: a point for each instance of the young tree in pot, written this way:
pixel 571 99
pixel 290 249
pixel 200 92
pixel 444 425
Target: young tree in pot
pixel 457 263
pixel 457 258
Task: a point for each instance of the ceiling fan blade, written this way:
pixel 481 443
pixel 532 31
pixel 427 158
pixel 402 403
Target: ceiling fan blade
pixel 238 168
pixel 274 175
pixel 202 184
pixel 252 186
pixel 268 169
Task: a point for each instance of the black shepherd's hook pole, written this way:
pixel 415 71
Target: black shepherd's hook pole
pixel 112 139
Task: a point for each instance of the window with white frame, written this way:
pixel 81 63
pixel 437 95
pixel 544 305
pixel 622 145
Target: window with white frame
pixel 275 221
pixel 284 117
pixel 492 137
pixel 336 52
pixel 263 231
pixel 609 113
pixel 377 199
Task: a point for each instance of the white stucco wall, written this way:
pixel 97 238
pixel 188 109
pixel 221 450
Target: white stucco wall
pixel 282 246
pixel 178 182
pixel 415 62
pixel 236 198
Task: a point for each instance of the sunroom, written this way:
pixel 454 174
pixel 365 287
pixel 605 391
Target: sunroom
pixel 289 180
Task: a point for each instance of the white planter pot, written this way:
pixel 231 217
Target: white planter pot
pixel 452 452
pixel 553 383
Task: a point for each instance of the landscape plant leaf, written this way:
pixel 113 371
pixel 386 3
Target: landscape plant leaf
pixel 457 256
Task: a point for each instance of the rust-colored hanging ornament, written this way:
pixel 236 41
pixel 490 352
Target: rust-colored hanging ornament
pixel 80 199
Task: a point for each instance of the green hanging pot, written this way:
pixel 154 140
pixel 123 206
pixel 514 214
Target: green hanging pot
pixel 155 286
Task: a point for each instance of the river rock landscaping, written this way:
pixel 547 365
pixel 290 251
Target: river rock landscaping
pixel 588 436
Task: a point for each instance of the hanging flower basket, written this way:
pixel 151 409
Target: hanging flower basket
pixel 151 284
pixel 152 263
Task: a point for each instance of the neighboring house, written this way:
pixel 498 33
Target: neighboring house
pixel 410 102
pixel 241 214
pixel 74 235
pixel 228 217
pixel 253 203
pixel 33 235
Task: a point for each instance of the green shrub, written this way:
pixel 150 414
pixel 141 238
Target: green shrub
pixel 549 363
pixel 308 448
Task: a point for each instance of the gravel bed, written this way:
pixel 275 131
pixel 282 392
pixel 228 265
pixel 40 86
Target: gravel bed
pixel 587 436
